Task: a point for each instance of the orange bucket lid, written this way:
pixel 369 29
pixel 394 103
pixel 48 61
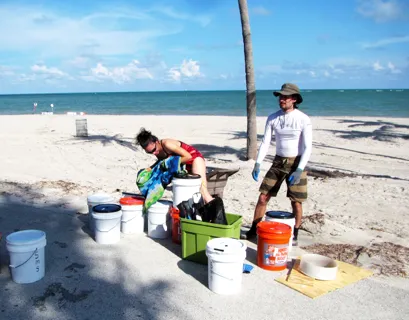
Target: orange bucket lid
pixel 132 201
pixel 273 227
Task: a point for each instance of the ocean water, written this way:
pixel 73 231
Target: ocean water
pixel 371 103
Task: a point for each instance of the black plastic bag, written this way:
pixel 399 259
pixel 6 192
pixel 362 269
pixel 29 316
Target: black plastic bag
pixel 213 212
pixel 187 210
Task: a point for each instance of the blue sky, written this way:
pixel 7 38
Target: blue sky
pixel 93 46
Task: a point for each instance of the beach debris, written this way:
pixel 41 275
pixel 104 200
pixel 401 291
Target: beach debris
pixel 313 223
pixel 318 173
pixel 62 245
pixel 65 186
pixel 384 258
pixel 65 296
pixel 74 266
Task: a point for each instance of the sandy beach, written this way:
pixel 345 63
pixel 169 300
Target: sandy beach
pixel 357 211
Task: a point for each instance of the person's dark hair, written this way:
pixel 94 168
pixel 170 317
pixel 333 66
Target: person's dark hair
pixel 145 137
pixel 296 97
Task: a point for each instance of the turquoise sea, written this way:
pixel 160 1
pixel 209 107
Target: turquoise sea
pixel 373 103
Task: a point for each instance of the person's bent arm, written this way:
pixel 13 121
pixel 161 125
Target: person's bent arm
pixel 265 143
pixel 173 147
pixel 307 140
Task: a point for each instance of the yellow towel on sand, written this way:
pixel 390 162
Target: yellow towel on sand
pixel 347 274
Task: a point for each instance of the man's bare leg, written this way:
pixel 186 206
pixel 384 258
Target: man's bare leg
pixel 297 210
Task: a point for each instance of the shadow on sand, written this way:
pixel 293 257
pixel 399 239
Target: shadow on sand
pixel 83 280
pixel 385 130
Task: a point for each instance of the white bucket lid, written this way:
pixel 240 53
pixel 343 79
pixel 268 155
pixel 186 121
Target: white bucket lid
pixel 25 237
pixel 162 204
pixel 99 197
pixel 225 246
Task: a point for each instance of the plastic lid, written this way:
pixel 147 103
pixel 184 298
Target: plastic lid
pixel 180 175
pixel 99 197
pixel 273 227
pixel 25 237
pixel 225 246
pixel 106 208
pixel 132 201
pixel 162 203
pixel 280 214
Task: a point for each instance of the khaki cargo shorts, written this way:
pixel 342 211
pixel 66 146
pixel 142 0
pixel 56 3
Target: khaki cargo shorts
pixel 281 170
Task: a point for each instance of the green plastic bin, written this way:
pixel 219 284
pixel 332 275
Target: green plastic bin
pixel 195 235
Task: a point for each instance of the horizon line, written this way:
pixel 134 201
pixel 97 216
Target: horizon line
pixel 164 91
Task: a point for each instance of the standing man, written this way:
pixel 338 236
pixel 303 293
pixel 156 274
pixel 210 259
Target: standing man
pixel 293 135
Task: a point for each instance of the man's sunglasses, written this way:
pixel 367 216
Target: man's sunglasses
pixel 284 97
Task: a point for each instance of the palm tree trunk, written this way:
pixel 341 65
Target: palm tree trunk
pixel 250 82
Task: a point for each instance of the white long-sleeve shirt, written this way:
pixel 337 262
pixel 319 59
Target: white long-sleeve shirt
pixel 293 132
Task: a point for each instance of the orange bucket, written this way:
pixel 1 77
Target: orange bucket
pixel 272 245
pixel 176 232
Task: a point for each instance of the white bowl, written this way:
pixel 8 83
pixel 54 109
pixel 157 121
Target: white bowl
pixel 319 267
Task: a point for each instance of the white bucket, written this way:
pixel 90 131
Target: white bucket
pixel 159 220
pixel 184 188
pixel 94 200
pixel 285 217
pixel 225 264
pixel 133 219
pixel 26 248
pixel 107 220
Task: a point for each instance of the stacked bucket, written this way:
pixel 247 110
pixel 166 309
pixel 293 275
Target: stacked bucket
pixel 108 219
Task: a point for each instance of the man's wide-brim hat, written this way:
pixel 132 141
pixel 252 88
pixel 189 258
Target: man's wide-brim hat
pixel 289 89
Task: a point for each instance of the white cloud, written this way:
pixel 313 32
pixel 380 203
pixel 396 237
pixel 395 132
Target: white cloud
pixel 80 62
pixel 52 72
pixel 380 10
pixel 377 66
pixel 261 11
pixel 335 68
pixel 44 33
pixel 393 69
pixel 174 74
pixel 6 71
pixel 26 77
pixel 272 69
pixel 42 73
pixel 128 73
pixel 385 42
pixel 203 20
pixel 188 69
